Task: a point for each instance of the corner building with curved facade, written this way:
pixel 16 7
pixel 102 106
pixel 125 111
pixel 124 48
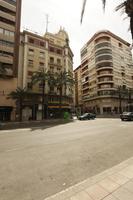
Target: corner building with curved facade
pixel 106 74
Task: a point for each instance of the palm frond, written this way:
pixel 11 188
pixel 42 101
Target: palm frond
pixel 120 6
pixel 82 11
pixel 104 4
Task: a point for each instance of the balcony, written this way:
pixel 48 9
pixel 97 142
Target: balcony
pixel 104 65
pixel 109 87
pixel 6 59
pixel 85 86
pixel 101 45
pixel 7 16
pixel 11 2
pixel 103 58
pixel 10 6
pixel 105 74
pixel 105 81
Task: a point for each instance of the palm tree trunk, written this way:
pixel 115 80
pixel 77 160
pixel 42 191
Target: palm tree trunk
pixel 60 100
pixel 43 93
pixel 20 110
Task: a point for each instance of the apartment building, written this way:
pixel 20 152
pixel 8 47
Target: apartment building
pixel 106 74
pixel 78 90
pixel 10 11
pixel 50 52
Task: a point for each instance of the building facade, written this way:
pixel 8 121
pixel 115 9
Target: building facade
pixel 10 12
pixel 52 53
pixel 106 74
pixel 78 91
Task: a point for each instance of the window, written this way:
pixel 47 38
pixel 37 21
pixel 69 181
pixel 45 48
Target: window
pixel 11 33
pixel 42 54
pixel 29 85
pixel 51 60
pixel 51 69
pixel 13 2
pixel 30 63
pixel 58 61
pixel 59 51
pixel 6 32
pixel 42 44
pixel 6 54
pixel 58 69
pixel 6 43
pixel 1 30
pixel 120 45
pixel 41 64
pixel 31 51
pixel 31 40
pixel 7 21
pixel 30 73
pixel 86 79
pixel 51 49
pixel 51 89
pixel 83 52
pixel 105 57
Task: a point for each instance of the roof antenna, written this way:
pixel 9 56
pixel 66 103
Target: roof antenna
pixel 47 22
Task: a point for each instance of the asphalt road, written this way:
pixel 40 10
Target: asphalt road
pixel 42 161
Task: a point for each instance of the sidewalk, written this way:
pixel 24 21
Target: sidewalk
pixel 113 184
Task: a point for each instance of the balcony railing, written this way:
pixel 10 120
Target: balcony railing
pixel 103 45
pixel 13 2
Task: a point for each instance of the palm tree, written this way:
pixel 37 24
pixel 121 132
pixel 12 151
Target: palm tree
pixel 51 81
pixel 40 77
pixel 127 6
pixel 62 80
pixel 19 95
pixel 130 100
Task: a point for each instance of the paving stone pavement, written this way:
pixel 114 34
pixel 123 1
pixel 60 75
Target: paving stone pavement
pixel 115 183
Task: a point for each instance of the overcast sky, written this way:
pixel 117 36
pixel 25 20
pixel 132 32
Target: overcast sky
pixel 66 13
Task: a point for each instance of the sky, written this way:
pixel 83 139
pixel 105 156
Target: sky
pixel 66 13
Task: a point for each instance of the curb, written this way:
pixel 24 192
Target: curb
pixel 69 192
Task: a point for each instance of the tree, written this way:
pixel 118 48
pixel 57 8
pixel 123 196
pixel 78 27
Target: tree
pixel 130 100
pixel 19 95
pixel 51 81
pixel 63 79
pixel 40 77
pixel 127 6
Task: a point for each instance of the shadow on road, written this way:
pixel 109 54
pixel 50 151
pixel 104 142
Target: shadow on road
pixel 35 125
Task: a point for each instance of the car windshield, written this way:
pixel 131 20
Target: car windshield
pixel 84 115
pixel 126 113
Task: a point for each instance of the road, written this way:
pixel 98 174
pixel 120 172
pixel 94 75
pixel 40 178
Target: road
pixel 42 161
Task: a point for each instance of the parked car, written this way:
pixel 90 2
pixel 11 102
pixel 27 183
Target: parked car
pixel 87 116
pixel 128 116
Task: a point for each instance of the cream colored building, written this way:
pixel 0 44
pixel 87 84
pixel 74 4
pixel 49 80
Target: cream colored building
pixel 106 66
pixel 78 90
pixel 50 52
pixel 10 12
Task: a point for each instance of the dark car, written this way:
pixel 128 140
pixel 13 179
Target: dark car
pixel 128 116
pixel 87 116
